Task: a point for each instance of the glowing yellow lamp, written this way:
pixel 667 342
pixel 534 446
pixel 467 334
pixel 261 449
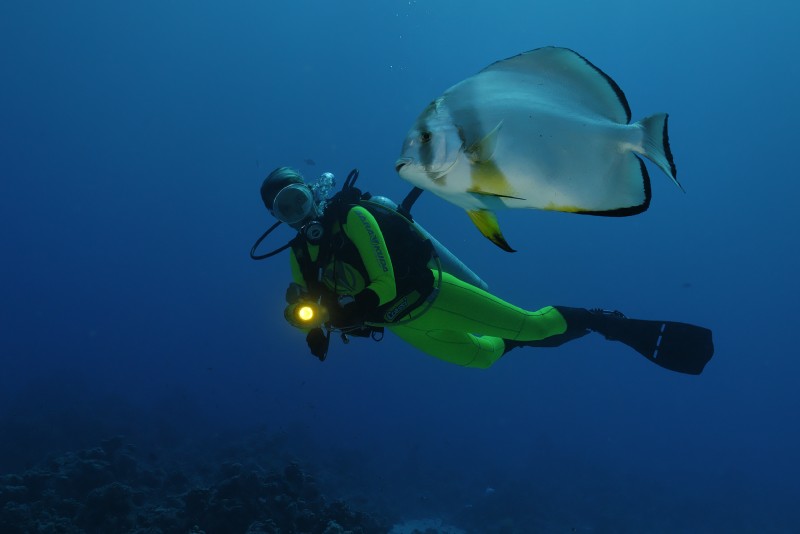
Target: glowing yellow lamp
pixel 305 313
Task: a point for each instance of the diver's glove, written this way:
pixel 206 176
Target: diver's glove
pixel 318 342
pixel 355 312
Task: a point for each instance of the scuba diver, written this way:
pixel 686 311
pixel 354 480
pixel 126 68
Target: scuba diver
pixel 360 264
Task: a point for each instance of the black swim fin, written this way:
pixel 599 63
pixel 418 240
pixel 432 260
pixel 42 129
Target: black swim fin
pixel 680 347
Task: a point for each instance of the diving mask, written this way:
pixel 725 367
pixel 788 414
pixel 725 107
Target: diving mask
pixel 294 204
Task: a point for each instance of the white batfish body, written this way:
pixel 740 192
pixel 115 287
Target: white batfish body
pixel 545 129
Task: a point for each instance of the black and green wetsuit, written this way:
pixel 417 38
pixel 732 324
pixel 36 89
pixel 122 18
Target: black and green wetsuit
pixel 463 324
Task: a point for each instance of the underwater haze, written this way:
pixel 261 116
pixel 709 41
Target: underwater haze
pixel 134 137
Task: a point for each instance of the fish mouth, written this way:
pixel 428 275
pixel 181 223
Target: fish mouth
pixel 436 176
pixel 400 163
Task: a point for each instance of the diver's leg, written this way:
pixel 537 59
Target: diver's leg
pixel 468 326
pixel 460 348
pixel 466 308
pixel 557 340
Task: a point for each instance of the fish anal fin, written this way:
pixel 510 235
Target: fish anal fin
pixel 552 206
pixel 487 224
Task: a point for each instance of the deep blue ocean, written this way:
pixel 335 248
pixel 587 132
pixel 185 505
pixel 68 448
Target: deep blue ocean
pixel 134 137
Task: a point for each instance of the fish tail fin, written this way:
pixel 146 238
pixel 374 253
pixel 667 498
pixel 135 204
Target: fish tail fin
pixel 656 144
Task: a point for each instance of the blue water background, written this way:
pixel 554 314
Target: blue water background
pixel 134 137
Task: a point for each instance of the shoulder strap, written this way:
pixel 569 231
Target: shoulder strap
pixel 307 266
pixel 311 269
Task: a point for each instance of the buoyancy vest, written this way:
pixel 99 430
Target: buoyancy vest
pixel 410 253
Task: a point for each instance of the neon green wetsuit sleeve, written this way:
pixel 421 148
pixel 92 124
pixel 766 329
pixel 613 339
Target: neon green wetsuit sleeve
pixel 363 230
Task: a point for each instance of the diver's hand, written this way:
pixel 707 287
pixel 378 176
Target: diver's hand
pixel 355 312
pixel 343 316
pixel 318 342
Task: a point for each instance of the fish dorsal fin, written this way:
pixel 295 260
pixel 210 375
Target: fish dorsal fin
pixel 565 75
pixel 486 222
pixel 483 150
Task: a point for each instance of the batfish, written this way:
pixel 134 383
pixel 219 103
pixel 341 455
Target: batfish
pixel 545 129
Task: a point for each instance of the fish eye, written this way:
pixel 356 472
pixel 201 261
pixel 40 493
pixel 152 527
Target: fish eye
pixel 425 137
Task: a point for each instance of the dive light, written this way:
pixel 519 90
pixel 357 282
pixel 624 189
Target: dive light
pixel 306 314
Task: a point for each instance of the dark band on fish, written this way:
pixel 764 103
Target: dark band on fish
pixel 614 86
pixel 668 151
pixel 631 210
pixel 425 146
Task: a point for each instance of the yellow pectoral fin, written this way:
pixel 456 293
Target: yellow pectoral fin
pixel 488 179
pixel 487 224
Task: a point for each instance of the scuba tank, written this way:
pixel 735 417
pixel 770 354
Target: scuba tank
pixel 450 262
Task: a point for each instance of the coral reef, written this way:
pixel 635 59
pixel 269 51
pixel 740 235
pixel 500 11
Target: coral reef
pixel 114 488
